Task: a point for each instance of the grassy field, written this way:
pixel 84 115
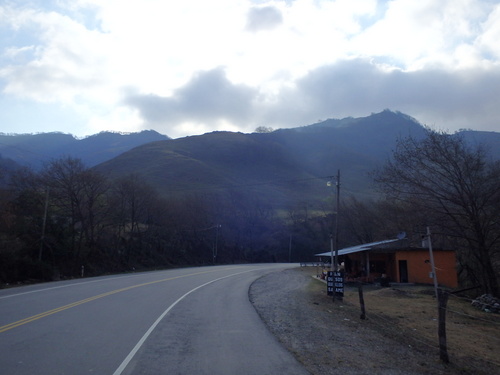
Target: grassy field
pixel 409 313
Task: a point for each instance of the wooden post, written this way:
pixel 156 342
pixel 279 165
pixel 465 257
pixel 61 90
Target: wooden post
pixel 442 301
pixel 361 300
pixel 44 223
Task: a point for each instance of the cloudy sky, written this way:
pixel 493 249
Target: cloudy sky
pixel 194 66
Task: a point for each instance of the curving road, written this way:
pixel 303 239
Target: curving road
pixel 184 321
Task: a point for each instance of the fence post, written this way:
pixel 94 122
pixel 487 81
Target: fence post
pixel 442 301
pixel 361 300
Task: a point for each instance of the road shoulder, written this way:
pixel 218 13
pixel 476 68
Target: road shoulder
pixel 330 338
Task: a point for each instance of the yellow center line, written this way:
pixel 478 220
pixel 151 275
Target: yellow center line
pixel 77 303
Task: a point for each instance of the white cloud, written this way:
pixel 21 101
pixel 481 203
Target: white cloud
pixel 233 64
pixel 488 41
pixel 414 34
pixel 67 61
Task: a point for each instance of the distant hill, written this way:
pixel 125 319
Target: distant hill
pixel 284 167
pixel 217 162
pixel 35 149
pixel 491 140
pixel 356 146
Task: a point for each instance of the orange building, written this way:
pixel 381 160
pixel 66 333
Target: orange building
pixel 397 262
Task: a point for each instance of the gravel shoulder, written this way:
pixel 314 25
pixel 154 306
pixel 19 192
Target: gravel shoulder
pixel 330 338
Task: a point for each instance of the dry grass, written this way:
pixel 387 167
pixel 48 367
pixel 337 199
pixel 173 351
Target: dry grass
pixel 410 313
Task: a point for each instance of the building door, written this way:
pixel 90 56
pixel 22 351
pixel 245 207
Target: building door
pixel 403 271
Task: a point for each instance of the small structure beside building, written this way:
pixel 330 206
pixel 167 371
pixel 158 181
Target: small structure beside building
pixel 393 260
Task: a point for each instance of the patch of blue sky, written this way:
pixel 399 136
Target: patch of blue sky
pixel 87 17
pixel 368 20
pixel 23 116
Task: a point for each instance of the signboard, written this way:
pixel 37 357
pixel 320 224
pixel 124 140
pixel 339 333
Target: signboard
pixel 335 284
pixel 329 283
pixel 338 280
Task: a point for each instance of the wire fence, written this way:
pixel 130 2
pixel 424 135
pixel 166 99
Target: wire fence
pixel 472 336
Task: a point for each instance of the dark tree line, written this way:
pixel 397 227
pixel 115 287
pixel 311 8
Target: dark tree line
pixel 68 218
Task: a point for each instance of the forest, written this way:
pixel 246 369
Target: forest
pixel 67 220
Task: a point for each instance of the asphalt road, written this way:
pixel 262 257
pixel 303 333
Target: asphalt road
pixel 185 321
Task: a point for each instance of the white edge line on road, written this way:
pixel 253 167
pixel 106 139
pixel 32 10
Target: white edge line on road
pixel 136 348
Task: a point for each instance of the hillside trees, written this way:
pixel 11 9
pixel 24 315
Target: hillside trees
pixel 66 217
pixel 135 211
pixel 21 210
pixel 458 189
pixel 77 196
pixel 370 220
pixel 310 232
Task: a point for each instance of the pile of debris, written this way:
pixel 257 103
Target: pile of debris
pixel 487 303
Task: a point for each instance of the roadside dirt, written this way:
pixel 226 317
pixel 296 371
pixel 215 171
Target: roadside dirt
pixel 398 336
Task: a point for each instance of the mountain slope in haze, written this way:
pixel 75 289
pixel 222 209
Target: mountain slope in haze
pixel 35 149
pixel 213 163
pixel 283 166
pixel 490 140
pixel 356 146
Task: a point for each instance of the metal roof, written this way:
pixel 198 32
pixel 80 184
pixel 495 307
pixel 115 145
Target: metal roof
pixel 358 248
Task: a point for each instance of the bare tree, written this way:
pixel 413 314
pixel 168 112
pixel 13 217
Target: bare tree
pixel 459 190
pixel 136 210
pixel 77 194
pixel 264 129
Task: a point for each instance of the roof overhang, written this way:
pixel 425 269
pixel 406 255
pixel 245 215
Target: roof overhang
pixel 363 247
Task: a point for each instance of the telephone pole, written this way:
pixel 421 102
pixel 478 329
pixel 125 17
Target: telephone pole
pixel 337 222
pixel 44 223
pixel 335 249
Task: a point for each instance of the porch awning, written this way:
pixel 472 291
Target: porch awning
pixel 358 248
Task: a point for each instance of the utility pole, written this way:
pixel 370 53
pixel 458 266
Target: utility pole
pixel 431 255
pixel 335 279
pixel 214 254
pixel 44 224
pixel 337 222
pixel 335 249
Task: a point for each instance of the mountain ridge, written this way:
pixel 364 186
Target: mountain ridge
pixel 282 166
pixel 34 149
pixel 263 163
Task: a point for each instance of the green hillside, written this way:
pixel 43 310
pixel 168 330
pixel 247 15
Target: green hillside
pixel 283 167
pixel 215 163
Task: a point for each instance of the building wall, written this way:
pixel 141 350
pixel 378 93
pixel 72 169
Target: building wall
pixel 380 264
pixel 419 267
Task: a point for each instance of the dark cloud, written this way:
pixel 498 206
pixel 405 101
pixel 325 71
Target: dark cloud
pixel 208 97
pixel 264 18
pixel 439 98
